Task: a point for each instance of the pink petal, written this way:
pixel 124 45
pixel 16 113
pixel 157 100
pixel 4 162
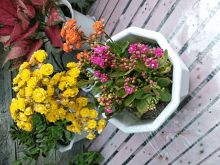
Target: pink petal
pixel 53 33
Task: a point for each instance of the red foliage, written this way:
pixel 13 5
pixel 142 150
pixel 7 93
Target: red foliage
pixel 53 33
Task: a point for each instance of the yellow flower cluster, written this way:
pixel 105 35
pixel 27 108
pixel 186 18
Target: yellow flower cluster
pixel 53 96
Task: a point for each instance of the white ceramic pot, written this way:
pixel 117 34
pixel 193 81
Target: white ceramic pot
pixel 127 121
pixel 76 138
pixel 86 22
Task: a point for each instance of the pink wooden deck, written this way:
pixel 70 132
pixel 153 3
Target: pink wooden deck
pixel 192 134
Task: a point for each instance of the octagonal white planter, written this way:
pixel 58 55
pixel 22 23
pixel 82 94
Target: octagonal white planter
pixel 127 121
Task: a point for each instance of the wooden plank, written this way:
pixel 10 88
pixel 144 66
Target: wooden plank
pixel 198 44
pixel 113 145
pixel 213 159
pixel 127 16
pixel 103 137
pixel 192 24
pixel 100 8
pixel 180 13
pixel 143 13
pixel 115 16
pixel 127 149
pixel 189 136
pixel 159 14
pixel 183 117
pixel 109 9
pixel 93 8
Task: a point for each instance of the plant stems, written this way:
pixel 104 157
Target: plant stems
pixel 108 36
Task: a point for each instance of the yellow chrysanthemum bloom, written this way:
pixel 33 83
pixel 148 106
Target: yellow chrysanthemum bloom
pixel 54 105
pixel 32 82
pixel 71 65
pixel 25 74
pixel 93 113
pixel 62 85
pixel 16 89
pixel 41 109
pixel 28 111
pixel 14 105
pixel 55 79
pixel 40 55
pixel 50 90
pixel 14 116
pixel 71 128
pixel 38 74
pixel 28 91
pixel 71 92
pixel 52 116
pixel 17 79
pixel 78 130
pixel 45 81
pixel 39 95
pixel 100 129
pixel 46 69
pixel 92 123
pixel 102 123
pixel 23 66
pixel 71 81
pixel 84 112
pixel 27 126
pixel 21 92
pixel 74 72
pixel 90 136
pixel 72 104
pixel 82 101
pixel 22 116
pixel 70 116
pixel 62 113
pixel 64 101
pixel 21 83
pixel 21 104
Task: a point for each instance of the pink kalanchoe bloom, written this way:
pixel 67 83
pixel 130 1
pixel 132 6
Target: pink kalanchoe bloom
pixel 108 110
pixel 106 47
pixel 99 50
pixel 97 73
pixel 154 64
pixel 102 99
pixel 158 52
pixel 144 49
pixel 139 46
pixel 103 78
pixel 151 81
pixel 129 90
pixel 132 48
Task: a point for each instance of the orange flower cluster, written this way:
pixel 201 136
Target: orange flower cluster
pixel 73 36
pixel 84 54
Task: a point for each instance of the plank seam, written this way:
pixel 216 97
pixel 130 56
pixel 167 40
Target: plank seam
pixel 202 161
pixel 112 12
pixel 180 132
pixel 195 143
pixel 96 7
pixel 103 10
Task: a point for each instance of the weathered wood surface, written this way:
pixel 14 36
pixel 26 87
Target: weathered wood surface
pixel 191 134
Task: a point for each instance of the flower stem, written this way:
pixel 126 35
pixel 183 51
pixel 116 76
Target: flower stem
pixel 108 36
pixel 55 61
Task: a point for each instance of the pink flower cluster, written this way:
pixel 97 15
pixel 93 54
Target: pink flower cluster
pixel 97 61
pixel 103 76
pixel 137 48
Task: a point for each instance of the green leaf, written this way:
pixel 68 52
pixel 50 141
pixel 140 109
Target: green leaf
pixel 163 59
pixel 37 120
pixel 34 150
pixel 138 114
pixel 82 83
pixel 96 89
pixel 163 82
pixel 89 157
pixel 57 131
pixel 141 66
pixel 120 73
pixel 50 164
pixel 17 162
pixel 147 89
pixel 90 105
pixel 124 46
pixel 142 106
pixel 140 94
pixel 67 135
pixel 26 158
pixel 129 99
pixel 165 96
pixel 121 93
pixel 101 109
pixel 107 83
pixel 39 136
pixel 166 70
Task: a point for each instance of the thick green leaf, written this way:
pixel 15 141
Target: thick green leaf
pixel 129 99
pixel 141 66
pixel 142 106
pixel 147 89
pixel 140 94
pixel 120 73
pixel 121 93
pixel 163 59
pixel 34 150
pixel 166 70
pixel 96 89
pixel 101 109
pixel 39 136
pixel 90 105
pixel 138 114
pixel 36 120
pixel 17 162
pixel 165 96
pixel 124 46
pixel 107 83
pixel 163 82
pixel 26 158
pixel 57 131
pixel 82 83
